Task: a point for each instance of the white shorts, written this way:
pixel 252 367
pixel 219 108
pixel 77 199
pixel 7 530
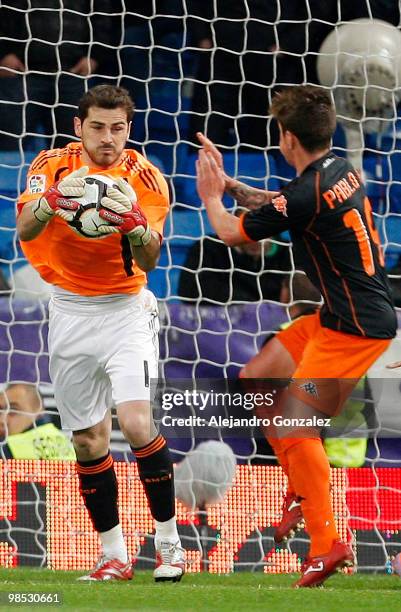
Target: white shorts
pixel 102 355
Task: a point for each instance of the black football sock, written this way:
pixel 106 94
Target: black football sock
pixel 156 473
pixel 98 487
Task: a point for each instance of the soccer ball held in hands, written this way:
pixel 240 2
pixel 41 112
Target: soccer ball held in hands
pixel 86 220
pixel 108 206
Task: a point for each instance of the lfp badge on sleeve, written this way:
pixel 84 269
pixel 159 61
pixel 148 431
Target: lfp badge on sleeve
pixel 37 183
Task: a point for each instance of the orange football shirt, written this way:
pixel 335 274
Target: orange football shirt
pixel 90 266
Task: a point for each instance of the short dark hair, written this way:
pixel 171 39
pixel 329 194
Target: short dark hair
pixel 307 112
pixel 106 96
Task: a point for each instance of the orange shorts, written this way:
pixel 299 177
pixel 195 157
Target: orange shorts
pixel 329 363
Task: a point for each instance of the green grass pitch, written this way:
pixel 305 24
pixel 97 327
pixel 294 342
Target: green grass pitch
pixel 204 592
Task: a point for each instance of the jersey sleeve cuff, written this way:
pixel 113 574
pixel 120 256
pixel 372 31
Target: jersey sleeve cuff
pixel 242 229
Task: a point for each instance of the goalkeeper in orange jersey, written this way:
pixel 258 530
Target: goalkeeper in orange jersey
pixel 335 242
pixel 103 323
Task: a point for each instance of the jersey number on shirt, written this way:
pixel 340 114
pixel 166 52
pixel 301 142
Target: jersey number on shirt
pixel 352 219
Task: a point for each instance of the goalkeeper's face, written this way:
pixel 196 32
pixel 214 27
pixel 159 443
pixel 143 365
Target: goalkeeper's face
pixel 104 133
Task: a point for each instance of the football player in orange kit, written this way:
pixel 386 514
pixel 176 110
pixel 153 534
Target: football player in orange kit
pixel 103 325
pixel 326 211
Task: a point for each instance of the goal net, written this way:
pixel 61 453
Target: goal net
pixel 211 67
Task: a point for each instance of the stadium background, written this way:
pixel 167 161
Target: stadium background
pixel 42 517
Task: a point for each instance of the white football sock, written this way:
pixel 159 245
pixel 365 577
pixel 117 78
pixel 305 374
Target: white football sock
pixel 113 544
pixel 166 531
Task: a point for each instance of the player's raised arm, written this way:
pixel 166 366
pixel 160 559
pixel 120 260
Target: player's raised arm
pixel 210 185
pixel 249 197
pixel 57 200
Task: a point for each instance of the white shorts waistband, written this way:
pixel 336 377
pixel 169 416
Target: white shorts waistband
pixel 71 303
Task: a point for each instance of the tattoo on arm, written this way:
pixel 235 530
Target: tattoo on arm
pixel 247 196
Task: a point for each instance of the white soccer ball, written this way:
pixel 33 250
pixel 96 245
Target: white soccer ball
pixel 86 220
pixel 205 474
pixel 360 60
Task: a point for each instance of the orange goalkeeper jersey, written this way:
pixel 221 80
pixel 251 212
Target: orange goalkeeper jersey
pixel 89 266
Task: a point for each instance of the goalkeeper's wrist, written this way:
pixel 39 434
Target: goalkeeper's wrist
pixel 42 211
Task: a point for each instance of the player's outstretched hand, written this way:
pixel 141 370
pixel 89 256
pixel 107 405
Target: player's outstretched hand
pixel 59 198
pixel 120 209
pixel 210 148
pixel 248 197
pixel 209 178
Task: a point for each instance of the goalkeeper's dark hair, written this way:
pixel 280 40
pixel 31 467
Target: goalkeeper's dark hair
pixel 106 96
pixel 307 112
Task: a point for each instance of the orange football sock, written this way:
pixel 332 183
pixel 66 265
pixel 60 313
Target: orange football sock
pixel 280 453
pixel 310 475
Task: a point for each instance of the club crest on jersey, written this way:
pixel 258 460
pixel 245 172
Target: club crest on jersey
pixel 310 388
pixel 280 204
pixel 37 183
